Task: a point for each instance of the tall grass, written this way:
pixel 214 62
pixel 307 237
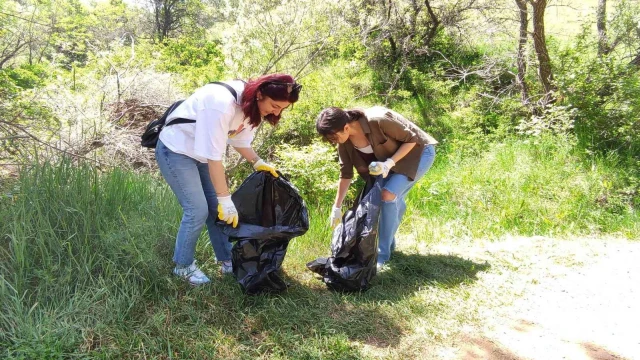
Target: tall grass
pixel 79 249
pixel 85 259
pixel 539 186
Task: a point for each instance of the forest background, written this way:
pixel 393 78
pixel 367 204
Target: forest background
pixel 535 104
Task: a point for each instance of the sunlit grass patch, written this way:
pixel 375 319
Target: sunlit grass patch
pixel 535 187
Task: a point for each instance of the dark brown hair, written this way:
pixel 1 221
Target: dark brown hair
pixel 279 87
pixel 332 120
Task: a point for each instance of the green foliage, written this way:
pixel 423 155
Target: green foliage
pixel 8 87
pixel 284 37
pixel 115 23
pixel 554 119
pixel 198 61
pixel 21 109
pixel 433 96
pixel 70 36
pixel 66 232
pixel 313 169
pixel 27 76
pixel 337 84
pixel 605 93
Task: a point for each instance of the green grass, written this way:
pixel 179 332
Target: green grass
pixel 85 260
pixel 532 187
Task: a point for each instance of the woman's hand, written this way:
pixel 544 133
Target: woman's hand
pixel 381 167
pixel 335 217
pixel 227 210
pixel 260 165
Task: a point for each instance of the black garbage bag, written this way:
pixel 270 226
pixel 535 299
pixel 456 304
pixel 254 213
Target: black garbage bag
pixel 354 243
pixel 271 213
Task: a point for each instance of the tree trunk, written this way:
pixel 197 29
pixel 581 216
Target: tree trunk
pixel 434 26
pixel 167 17
pixel 601 23
pixel 522 43
pixel 544 61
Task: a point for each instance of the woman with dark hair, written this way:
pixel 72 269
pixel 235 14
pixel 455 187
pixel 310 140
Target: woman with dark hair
pixel 378 141
pixel 189 156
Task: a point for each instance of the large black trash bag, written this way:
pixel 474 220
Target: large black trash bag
pixel 354 243
pixel 271 213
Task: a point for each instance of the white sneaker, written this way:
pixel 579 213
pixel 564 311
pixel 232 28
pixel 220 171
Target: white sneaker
pixel 380 267
pixel 227 267
pixel 191 273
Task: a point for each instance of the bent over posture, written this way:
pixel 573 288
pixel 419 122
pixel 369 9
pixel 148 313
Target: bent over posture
pixel 378 141
pixel 189 156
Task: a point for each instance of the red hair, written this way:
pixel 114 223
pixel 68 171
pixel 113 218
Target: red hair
pixel 279 87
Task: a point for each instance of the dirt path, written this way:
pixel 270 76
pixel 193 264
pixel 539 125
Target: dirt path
pixel 580 299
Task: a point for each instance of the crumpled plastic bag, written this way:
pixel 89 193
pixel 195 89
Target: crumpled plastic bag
pixel 354 243
pixel 271 213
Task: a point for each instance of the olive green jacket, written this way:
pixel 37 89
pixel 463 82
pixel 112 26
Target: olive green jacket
pixel 386 130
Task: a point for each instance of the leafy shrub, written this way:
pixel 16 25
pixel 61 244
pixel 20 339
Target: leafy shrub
pixel 553 119
pixel 21 109
pixel 27 76
pixel 605 93
pixel 8 87
pixel 199 61
pixel 313 169
pixel 333 85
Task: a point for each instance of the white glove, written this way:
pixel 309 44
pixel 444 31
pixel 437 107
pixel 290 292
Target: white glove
pixel 227 211
pixel 335 217
pixel 260 165
pixel 381 167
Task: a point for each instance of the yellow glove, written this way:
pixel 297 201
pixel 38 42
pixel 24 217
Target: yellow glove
pixel 260 165
pixel 227 211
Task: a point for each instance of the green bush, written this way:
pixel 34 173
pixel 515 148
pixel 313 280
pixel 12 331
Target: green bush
pixel 199 61
pixel 337 84
pixel 313 169
pixel 27 76
pixel 605 93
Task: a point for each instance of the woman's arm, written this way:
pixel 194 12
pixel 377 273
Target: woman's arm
pixel 383 167
pixel 253 158
pixel 343 186
pixel 402 151
pixel 218 177
pixel 248 153
pixel 336 212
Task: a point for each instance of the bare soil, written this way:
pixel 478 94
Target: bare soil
pixel 574 299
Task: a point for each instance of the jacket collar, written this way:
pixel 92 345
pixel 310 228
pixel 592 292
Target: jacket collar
pixel 364 123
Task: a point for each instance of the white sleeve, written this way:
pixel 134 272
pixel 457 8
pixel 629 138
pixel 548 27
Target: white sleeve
pixel 243 139
pixel 212 127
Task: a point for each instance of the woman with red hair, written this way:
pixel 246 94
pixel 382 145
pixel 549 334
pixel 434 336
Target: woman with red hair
pixel 189 156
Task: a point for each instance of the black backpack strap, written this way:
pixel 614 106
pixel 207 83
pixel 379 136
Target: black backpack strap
pixel 178 120
pixel 231 90
pixel 186 121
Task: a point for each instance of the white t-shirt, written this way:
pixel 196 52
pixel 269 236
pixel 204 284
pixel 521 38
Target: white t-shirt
pixel 219 121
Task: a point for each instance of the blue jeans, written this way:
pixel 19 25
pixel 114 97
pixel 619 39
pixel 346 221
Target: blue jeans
pixel 190 182
pixel 393 211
